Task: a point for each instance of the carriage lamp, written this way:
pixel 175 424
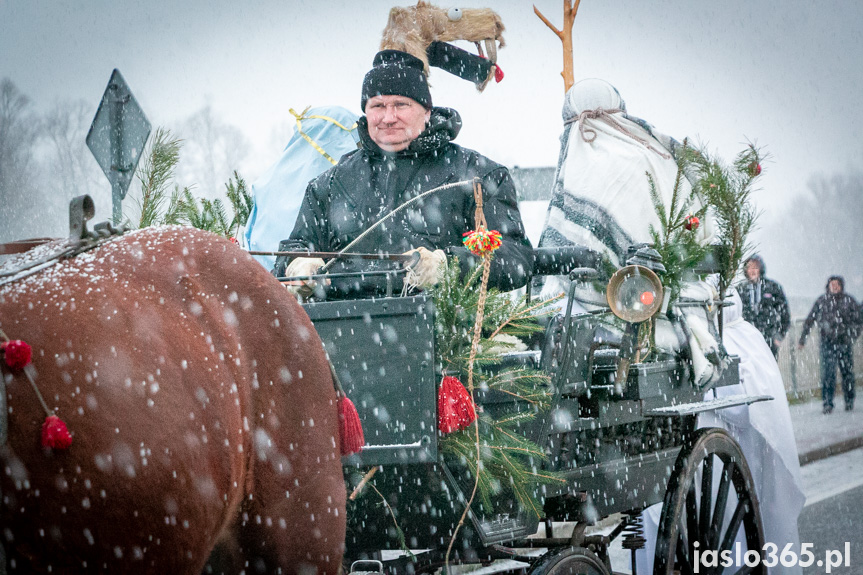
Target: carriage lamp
pixel 634 294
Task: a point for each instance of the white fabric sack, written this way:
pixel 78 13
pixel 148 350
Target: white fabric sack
pixel 601 198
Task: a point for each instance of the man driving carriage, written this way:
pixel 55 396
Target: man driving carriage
pixel 406 149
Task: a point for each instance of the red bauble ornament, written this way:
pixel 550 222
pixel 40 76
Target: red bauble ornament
pixel 16 353
pixel 55 434
pixel 754 169
pixel 647 298
pixel 691 223
pixel 454 406
pixel 351 438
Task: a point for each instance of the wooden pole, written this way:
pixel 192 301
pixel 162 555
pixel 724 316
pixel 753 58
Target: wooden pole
pixel 570 9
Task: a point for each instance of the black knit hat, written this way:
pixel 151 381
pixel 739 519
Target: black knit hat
pixel 396 73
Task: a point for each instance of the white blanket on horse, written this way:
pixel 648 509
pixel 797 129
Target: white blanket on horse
pixel 601 196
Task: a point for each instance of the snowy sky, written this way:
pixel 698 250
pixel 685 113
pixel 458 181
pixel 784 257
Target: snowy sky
pixel 783 73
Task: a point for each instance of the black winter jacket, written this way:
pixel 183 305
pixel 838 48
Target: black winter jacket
pixel 770 315
pixel 369 183
pixel 837 315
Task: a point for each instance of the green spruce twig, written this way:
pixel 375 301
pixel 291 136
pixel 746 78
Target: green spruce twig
pixel 156 174
pixel 676 239
pixel 241 201
pixel 728 190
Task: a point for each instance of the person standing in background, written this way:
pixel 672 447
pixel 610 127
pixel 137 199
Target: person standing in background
pixel 838 318
pixel 764 303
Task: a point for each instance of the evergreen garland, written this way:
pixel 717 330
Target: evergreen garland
pixel 509 461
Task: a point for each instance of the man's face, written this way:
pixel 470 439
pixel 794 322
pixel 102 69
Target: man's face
pixel 753 270
pixel 835 286
pixel 395 121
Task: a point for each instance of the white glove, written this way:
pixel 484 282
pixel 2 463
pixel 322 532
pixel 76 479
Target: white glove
pixel 303 267
pixel 426 273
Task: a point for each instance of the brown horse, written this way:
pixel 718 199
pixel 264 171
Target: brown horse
pixel 202 412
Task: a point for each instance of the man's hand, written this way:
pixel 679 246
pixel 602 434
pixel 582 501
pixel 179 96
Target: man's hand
pixel 800 346
pixel 303 267
pixel 426 272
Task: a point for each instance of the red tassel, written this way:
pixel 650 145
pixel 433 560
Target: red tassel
pixel 454 406
pixel 351 437
pixel 16 353
pixel 55 434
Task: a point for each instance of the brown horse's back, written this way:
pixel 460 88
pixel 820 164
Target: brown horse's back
pixel 201 407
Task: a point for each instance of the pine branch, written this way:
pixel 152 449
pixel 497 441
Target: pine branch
pixel 658 204
pixel 155 175
pixel 173 213
pixel 221 224
pixel 241 200
pixel 505 454
pixel 729 191
pixel 188 207
pixel 678 247
pixel 525 313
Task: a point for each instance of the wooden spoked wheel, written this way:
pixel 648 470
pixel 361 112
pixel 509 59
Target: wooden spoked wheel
pixel 709 504
pixel 569 561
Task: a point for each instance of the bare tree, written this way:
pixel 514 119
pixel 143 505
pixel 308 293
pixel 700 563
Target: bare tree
pixel 69 163
pixel 19 132
pixel 821 234
pixel 212 150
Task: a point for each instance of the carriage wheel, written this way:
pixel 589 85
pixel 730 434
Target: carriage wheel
pixel 569 561
pixel 707 468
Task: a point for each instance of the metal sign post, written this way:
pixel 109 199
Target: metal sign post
pixel 117 137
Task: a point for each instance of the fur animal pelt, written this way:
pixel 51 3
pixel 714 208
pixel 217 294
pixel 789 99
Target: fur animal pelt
pixel 415 29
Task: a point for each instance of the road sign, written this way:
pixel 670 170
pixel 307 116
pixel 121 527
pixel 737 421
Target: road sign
pixel 117 137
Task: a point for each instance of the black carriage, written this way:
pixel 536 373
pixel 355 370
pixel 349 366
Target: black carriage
pixel 622 433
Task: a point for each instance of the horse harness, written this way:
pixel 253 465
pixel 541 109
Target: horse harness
pixel 80 240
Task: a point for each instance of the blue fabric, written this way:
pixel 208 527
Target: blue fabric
pixel 279 191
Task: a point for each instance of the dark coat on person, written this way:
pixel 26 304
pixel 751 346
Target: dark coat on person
pixel 765 305
pixel 837 316
pixel 369 183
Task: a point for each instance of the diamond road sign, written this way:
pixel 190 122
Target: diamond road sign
pixel 117 137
